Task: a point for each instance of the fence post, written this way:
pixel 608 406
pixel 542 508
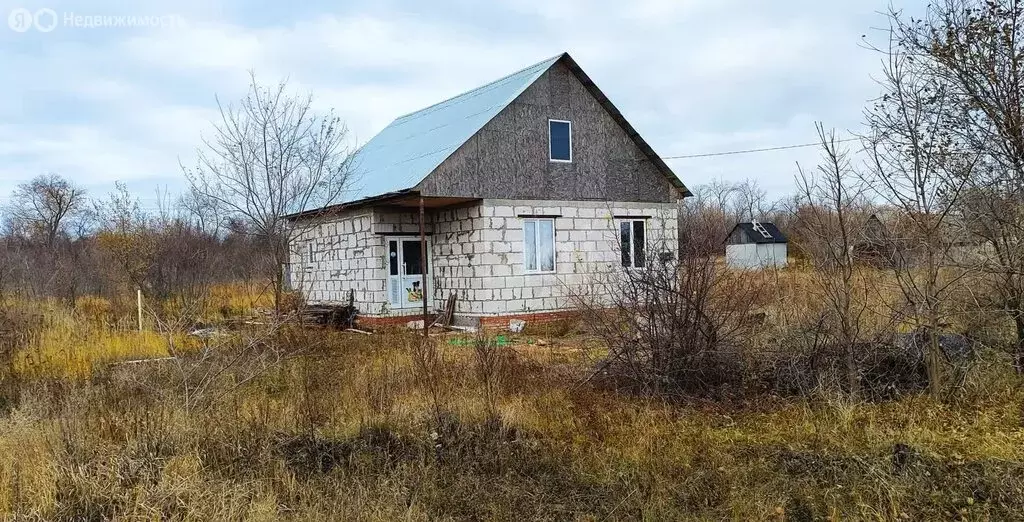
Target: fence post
pixel 423 268
pixel 138 299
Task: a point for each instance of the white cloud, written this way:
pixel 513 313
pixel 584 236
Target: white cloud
pixel 692 75
pixel 761 51
pixel 80 152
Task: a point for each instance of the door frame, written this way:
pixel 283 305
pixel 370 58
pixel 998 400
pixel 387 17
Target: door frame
pixel 389 279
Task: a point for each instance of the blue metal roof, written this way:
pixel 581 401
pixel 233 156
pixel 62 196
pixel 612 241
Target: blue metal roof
pixel 412 146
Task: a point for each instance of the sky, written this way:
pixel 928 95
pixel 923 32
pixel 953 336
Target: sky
pixel 107 91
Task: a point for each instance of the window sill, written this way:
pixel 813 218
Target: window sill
pixel 559 161
pixel 527 273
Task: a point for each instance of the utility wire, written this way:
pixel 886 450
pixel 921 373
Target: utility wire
pixel 751 151
pixel 687 156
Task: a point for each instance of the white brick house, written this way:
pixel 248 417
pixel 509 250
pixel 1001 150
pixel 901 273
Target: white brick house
pixel 531 186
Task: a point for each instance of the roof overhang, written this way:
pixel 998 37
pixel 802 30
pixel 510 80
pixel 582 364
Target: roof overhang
pixel 400 199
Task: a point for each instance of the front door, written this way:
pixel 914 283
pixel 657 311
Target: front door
pixel 406 269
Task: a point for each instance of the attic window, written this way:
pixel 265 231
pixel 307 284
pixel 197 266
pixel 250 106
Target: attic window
pixel 560 138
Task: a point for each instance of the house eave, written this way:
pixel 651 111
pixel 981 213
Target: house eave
pixel 347 206
pixel 408 198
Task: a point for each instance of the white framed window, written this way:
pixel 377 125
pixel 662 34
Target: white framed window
pixel 633 243
pixel 560 141
pixel 310 252
pixel 539 245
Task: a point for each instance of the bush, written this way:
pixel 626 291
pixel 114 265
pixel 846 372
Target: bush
pixel 888 367
pixel 675 326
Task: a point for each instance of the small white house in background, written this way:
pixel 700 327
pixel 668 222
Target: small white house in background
pixel 755 245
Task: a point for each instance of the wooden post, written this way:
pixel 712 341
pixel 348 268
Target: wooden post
pixel 138 299
pixel 423 267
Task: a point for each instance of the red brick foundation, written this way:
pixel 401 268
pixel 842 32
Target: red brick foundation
pixel 538 317
pixel 495 321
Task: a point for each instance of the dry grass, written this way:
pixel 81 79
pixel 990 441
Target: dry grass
pixel 354 427
pixel 74 342
pixel 239 299
pixel 71 344
pixel 64 354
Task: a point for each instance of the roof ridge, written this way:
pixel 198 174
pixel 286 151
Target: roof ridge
pixel 478 89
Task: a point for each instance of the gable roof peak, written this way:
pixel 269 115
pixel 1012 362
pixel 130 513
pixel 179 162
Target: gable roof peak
pixel 412 146
pixel 544 64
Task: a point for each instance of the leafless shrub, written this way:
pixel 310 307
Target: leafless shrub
pixel 833 218
pixel 17 325
pixel 380 386
pixel 107 248
pixel 205 370
pixel 677 324
pixel 315 403
pixel 429 368
pixel 808 360
pixel 490 362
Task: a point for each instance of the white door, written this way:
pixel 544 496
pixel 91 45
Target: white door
pixel 406 281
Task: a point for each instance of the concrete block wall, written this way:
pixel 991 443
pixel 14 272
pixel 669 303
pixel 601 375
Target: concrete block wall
pixel 478 252
pixel 350 254
pixel 457 236
pixel 347 255
pixel 391 221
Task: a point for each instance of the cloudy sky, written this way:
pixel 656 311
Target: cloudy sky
pixel 105 103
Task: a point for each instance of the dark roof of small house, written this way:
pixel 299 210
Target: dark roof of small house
pixel 756 237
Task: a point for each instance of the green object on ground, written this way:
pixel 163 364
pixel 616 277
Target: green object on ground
pixel 500 340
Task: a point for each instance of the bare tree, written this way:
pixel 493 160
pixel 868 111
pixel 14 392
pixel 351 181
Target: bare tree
pixel 751 201
pixel 125 237
pixel 976 49
pixel 44 206
pixel 202 211
pixel 721 204
pixel 45 216
pixel 224 363
pixel 831 222
pixel 8 262
pixel 703 215
pixel 914 168
pixel 720 193
pixel 270 156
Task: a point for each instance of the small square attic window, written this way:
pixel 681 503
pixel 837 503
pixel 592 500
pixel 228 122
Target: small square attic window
pixel 560 138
